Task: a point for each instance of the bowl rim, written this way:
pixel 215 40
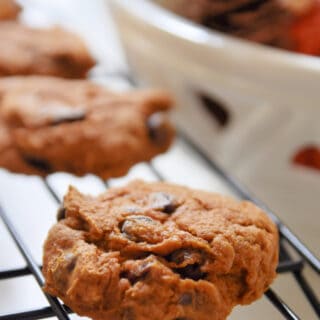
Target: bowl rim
pixel 184 29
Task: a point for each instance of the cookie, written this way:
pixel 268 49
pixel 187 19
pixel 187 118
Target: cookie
pixel 158 251
pixel 9 156
pixel 77 126
pixel 55 52
pixel 9 9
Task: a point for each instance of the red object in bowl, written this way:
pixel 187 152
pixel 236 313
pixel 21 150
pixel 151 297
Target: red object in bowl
pixel 306 32
pixel 308 156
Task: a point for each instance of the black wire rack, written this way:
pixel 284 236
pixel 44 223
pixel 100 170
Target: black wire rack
pixel 287 264
pixel 288 242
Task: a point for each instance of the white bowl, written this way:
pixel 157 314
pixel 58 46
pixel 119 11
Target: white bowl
pixel 247 68
pixel 273 97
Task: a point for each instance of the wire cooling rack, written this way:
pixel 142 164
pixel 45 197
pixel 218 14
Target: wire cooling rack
pixel 294 255
pixel 288 242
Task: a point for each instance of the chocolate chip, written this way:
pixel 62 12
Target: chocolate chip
pixel 192 271
pixel 185 299
pixel 129 276
pixel 61 213
pixel 178 256
pixel 182 318
pixel 163 201
pixel 187 263
pixel 136 275
pixel 70 260
pixel 133 226
pixel 135 219
pixel 181 256
pixel 37 163
pixel 157 128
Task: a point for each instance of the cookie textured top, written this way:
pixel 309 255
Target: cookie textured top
pixel 9 9
pixel 10 158
pixel 55 52
pixel 158 251
pixel 77 126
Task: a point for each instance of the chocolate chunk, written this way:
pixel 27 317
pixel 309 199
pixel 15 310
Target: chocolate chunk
pixel 184 256
pixel 37 163
pixel 163 201
pixel 134 226
pixel 178 256
pixel 187 263
pixel 136 275
pixel 70 260
pixel 130 276
pixel 61 214
pixel 67 263
pixel 192 271
pixel 157 128
pixel 135 219
pixel 185 299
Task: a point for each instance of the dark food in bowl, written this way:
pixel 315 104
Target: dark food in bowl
pixel 292 25
pixel 306 32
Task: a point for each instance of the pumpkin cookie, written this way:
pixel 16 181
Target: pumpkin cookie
pixel 9 9
pixel 76 126
pixel 158 251
pixel 55 52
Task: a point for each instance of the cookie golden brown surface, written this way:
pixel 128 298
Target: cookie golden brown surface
pixel 55 52
pixel 158 251
pixel 50 124
pixel 9 155
pixel 9 9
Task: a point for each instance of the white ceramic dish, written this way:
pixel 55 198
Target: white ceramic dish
pixel 272 96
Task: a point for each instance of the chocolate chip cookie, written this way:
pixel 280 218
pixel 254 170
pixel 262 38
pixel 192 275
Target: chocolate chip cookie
pixel 52 124
pixel 9 9
pixel 158 251
pixel 9 156
pixel 55 52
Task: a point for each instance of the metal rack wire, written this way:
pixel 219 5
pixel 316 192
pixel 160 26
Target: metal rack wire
pixel 286 265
